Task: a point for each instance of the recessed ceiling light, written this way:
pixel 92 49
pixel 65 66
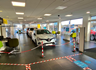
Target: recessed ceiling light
pixel 19 13
pixel 19 4
pixel 0 10
pixel 68 15
pixel 20 17
pixel 88 12
pixel 47 14
pixel 39 18
pixel 61 7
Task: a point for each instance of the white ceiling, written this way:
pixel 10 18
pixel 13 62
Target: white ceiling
pixel 37 8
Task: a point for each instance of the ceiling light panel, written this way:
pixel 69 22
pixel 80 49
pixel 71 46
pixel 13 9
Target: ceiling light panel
pixel 19 13
pixel 19 4
pixel 39 18
pixel 20 17
pixel 88 12
pixel 47 14
pixel 0 10
pixel 68 15
pixel 61 7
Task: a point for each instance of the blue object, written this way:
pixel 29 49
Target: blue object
pixel 67 29
pixel 55 23
pixel 44 27
pixel 81 64
pixel 87 61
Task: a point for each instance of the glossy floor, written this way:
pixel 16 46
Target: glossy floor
pixel 49 52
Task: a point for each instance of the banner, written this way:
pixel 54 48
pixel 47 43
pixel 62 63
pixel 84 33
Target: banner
pixel 5 21
pixel 38 26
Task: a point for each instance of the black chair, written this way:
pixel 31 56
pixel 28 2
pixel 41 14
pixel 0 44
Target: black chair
pixel 1 37
pixel 13 43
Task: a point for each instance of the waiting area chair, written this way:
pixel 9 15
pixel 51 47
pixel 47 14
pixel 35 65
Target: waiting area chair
pixel 1 38
pixel 13 43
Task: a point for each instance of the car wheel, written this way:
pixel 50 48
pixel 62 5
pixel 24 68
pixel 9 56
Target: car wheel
pixel 92 37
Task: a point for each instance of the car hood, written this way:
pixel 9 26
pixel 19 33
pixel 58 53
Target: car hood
pixel 45 36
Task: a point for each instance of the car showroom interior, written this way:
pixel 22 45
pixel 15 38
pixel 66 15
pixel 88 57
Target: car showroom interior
pixel 47 34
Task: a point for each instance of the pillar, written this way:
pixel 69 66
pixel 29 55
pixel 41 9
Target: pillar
pixel 48 26
pixel 4 31
pixel 12 30
pixel 23 26
pixel 59 26
pixel 87 26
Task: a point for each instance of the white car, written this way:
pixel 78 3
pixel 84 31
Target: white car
pixel 30 31
pixel 45 36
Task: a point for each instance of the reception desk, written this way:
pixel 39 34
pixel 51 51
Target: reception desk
pixel 67 36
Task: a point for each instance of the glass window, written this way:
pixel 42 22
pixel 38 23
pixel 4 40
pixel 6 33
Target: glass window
pixel 93 17
pixel 43 32
pixel 77 21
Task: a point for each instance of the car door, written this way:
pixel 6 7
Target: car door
pixel 34 36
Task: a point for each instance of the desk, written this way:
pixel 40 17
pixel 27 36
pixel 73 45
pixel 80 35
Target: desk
pixel 4 47
pixel 67 36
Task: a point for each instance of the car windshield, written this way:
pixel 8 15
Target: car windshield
pixel 43 32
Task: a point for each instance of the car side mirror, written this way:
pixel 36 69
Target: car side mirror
pixel 34 34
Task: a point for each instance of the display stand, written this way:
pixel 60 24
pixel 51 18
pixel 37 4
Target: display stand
pixel 82 39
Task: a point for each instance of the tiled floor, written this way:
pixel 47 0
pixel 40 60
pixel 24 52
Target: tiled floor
pixel 49 52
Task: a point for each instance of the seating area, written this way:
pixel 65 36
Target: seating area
pixel 9 44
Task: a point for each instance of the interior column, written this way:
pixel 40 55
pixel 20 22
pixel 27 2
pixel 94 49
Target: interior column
pixel 87 26
pixel 59 26
pixel 48 26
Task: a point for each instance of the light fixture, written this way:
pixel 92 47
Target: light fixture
pixel 0 10
pixel 19 13
pixel 68 15
pixel 61 7
pixel 88 12
pixel 39 18
pixel 19 4
pixel 47 14
pixel 47 20
pixel 20 17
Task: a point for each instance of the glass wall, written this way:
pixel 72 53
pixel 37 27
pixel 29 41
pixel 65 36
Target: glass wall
pixel 56 26
pixel 93 29
pixel 71 24
pixel 51 27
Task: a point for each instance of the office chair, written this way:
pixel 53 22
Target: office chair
pixel 13 43
pixel 1 37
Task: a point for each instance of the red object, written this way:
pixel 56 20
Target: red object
pixel 93 32
pixel 74 45
pixel 42 50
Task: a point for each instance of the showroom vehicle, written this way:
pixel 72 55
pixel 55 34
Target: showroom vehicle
pixel 43 35
pixel 92 34
pixel 27 31
pixel 30 31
